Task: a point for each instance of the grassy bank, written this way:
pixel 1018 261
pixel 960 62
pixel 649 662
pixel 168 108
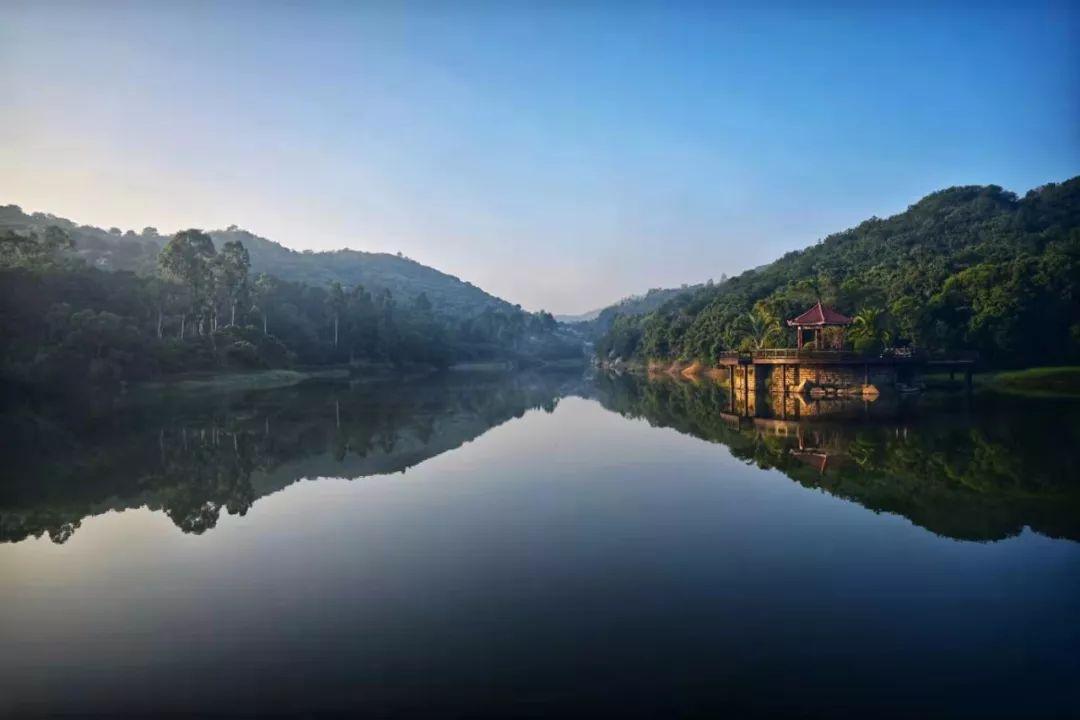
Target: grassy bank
pixel 260 380
pixel 1042 381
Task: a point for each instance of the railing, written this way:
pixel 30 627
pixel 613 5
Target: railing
pixel 905 353
pixel 781 353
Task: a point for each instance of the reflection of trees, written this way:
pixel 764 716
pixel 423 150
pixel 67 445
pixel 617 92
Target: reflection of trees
pixel 203 472
pixel 193 458
pixel 982 475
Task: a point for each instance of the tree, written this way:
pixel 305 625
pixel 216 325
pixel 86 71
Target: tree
pixel 870 330
pixel 33 250
pixel 760 330
pixel 187 259
pixel 265 288
pixel 233 266
pixel 335 302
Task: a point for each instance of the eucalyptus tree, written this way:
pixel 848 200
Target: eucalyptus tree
pixel 264 290
pixel 233 265
pixel 188 259
pixel 34 249
pixel 335 303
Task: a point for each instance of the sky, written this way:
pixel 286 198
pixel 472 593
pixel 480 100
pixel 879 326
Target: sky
pixel 558 154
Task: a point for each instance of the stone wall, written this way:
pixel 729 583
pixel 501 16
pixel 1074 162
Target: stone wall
pixel 839 379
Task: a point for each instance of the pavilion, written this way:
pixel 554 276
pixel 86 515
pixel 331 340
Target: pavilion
pixel 817 319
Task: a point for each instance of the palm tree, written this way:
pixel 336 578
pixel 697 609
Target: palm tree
pixel 870 327
pixel 760 329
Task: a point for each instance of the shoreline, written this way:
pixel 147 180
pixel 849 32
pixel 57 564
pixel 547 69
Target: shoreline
pixel 288 377
pixel 1048 381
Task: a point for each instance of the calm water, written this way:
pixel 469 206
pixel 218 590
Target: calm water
pixel 532 545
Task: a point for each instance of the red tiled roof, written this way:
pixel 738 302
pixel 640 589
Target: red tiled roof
pixel 820 315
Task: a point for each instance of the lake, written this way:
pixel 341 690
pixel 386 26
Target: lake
pixel 537 544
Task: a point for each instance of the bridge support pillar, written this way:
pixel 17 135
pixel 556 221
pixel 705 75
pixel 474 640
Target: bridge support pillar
pixel 746 389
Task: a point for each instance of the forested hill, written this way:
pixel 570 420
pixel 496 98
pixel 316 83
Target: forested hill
pixel 972 268
pixel 114 249
pixel 631 305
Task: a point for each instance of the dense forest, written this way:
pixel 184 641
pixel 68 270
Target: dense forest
pixel 967 268
pixel 66 324
pixel 116 249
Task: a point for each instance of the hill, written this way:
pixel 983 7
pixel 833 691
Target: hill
pixel 972 267
pixel 598 321
pixel 114 249
pixel 83 309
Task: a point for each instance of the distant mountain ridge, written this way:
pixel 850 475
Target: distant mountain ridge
pixel 114 249
pixel 596 322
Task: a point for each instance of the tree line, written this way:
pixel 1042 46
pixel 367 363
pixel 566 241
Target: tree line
pixel 64 323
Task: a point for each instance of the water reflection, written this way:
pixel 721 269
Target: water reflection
pixel 568 560
pixel 978 468
pixel 195 456
pixel 973 469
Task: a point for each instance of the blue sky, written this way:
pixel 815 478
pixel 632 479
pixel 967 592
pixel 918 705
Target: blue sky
pixel 558 154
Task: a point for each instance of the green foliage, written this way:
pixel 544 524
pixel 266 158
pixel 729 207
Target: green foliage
pixel 968 268
pixel 138 252
pixel 1040 381
pixel 66 325
pixel 32 249
pixel 759 329
pixel 871 330
pixel 596 323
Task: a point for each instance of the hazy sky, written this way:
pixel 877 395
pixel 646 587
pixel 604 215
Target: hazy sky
pixel 558 154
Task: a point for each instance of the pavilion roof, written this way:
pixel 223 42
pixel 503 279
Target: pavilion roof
pixel 819 316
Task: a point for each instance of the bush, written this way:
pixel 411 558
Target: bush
pixel 242 354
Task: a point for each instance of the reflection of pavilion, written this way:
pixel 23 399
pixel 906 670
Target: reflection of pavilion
pixel 778 408
pixel 812 449
pixel 817 460
pixel 809 442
